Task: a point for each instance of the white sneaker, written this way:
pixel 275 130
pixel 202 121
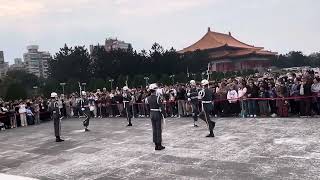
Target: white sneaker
pixel 251 115
pixel 254 115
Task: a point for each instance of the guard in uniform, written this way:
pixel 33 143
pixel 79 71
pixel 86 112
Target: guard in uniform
pixel 84 102
pixel 127 103
pixel 206 96
pixel 155 104
pixel 55 115
pixel 193 99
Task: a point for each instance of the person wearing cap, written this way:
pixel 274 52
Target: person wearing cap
pixel 85 109
pixel 127 100
pixel 55 115
pixel 193 99
pixel 155 104
pixel 206 96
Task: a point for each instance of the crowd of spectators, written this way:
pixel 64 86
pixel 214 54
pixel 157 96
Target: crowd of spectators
pixel 262 95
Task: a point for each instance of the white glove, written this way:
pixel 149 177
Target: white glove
pixel 82 109
pixel 188 94
pixel 189 99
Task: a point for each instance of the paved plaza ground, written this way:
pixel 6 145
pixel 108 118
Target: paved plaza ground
pixel 261 148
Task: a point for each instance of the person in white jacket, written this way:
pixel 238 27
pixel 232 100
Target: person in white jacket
pixel 232 97
pixel 242 94
pixel 22 113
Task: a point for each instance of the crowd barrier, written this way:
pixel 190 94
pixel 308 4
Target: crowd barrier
pixel 214 101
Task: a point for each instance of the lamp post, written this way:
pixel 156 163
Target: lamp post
pixel 172 78
pixel 84 86
pixel 202 75
pixel 147 79
pixel 111 81
pixel 35 90
pixel 62 84
pixel 193 75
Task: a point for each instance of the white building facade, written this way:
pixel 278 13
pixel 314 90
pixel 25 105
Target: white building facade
pixel 36 62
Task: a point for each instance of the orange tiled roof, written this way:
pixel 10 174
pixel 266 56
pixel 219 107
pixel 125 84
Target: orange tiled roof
pixel 213 40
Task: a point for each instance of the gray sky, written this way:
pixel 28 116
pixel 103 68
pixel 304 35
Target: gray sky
pixel 277 25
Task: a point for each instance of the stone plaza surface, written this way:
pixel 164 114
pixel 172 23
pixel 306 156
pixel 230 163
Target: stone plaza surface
pixel 261 148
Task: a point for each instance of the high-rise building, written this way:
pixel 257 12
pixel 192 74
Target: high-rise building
pixel 18 65
pixel 3 66
pixel 114 44
pixel 1 57
pixel 36 62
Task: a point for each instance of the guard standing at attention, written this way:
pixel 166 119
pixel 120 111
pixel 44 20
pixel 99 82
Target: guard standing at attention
pixel 206 96
pixel 127 103
pixel 155 104
pixel 84 102
pixel 55 115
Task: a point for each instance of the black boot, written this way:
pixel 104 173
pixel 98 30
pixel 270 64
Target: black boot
pixel 86 129
pixel 58 139
pixel 159 147
pixel 130 124
pixel 210 135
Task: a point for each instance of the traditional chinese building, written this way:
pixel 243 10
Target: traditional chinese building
pixel 229 54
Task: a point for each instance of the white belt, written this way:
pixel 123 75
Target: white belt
pixel 126 101
pixel 158 110
pixel 206 102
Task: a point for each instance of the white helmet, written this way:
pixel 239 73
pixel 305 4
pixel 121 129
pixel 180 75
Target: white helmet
pixel 193 82
pixel 125 88
pixel 83 93
pixel 153 86
pixel 204 82
pixel 54 95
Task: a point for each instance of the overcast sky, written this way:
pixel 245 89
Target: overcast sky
pixel 277 25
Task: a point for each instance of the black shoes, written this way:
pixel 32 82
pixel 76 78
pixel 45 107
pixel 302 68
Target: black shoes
pixel 159 147
pixel 210 135
pixel 58 139
pixel 195 125
pixel 86 130
pixel 129 124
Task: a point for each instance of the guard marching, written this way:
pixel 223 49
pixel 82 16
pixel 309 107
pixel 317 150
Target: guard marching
pixel 193 99
pixel 206 96
pixel 155 104
pixel 127 103
pixel 84 103
pixel 55 115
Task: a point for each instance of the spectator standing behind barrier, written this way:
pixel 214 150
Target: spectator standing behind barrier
pixel 181 97
pixel 271 93
pixel 282 104
pixel 252 92
pixel 29 113
pixel 36 109
pixel 13 118
pixel 305 91
pixel 232 97
pixel 22 113
pixel 242 94
pixel 315 89
pixel 295 92
pixel 263 104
